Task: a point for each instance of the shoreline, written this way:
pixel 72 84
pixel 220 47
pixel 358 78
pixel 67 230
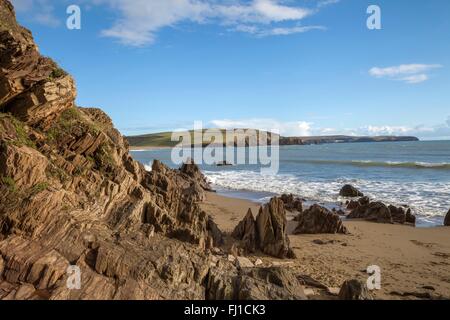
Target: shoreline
pixel 261 197
pixel 412 260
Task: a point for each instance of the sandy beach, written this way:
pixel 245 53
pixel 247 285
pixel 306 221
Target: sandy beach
pixel 414 262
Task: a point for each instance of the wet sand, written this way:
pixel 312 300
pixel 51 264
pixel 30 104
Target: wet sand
pixel 412 260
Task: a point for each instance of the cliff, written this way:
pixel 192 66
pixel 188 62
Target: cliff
pixel 163 139
pixel 70 194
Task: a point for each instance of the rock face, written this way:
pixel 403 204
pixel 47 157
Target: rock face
pixel 318 219
pixel 447 219
pixel 71 194
pixel 354 290
pixel 350 192
pixel 268 232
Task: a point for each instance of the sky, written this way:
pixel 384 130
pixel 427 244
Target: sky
pixel 309 67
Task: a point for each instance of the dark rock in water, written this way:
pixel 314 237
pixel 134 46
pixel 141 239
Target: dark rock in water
pixel 410 218
pixel 374 211
pixel 292 203
pixel 245 231
pixel 223 164
pixel 398 214
pixel 354 290
pixel 318 219
pixel 350 192
pixel 271 228
pixel 447 219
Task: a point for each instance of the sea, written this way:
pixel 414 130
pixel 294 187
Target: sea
pixel 415 173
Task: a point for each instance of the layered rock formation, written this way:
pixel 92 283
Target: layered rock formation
pixel 71 195
pixel 318 219
pixel 268 232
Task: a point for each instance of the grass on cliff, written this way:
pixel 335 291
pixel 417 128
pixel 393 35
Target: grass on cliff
pixel 9 183
pixel 22 138
pixel 69 120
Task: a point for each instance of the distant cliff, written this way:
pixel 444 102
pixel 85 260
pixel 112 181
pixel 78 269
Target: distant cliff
pixel 163 139
pixel 341 139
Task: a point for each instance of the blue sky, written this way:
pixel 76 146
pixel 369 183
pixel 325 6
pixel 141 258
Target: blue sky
pixel 307 67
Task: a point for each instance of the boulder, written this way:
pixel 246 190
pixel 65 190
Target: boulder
pixel 271 229
pixel 410 218
pixel 398 214
pixel 243 262
pixel 292 203
pixel 374 211
pixel 353 204
pixel 354 290
pixel 447 219
pixel 318 219
pixel 350 191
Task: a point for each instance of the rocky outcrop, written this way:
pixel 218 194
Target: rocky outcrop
pixel 318 219
pixel 267 233
pixel 271 230
pixel 374 211
pixel 350 192
pixel 379 212
pixel 245 231
pixel 354 290
pixel 353 204
pixel 291 203
pixel 71 195
pixel 447 219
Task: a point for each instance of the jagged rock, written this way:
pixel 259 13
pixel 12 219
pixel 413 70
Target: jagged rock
pixel 267 233
pixel 245 231
pixel 271 230
pixel 447 219
pixel 375 211
pixel 318 219
pixel 350 192
pixel 292 203
pixel 402 215
pixel 353 204
pixel 354 290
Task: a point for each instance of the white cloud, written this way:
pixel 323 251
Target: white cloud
pixel 304 128
pixel 408 73
pixel 140 20
pixel 294 128
pixel 266 32
pixel 40 11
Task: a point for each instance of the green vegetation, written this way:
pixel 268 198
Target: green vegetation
pixel 58 73
pixel 22 138
pixel 67 121
pixel 164 139
pixel 9 183
pixel 38 188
